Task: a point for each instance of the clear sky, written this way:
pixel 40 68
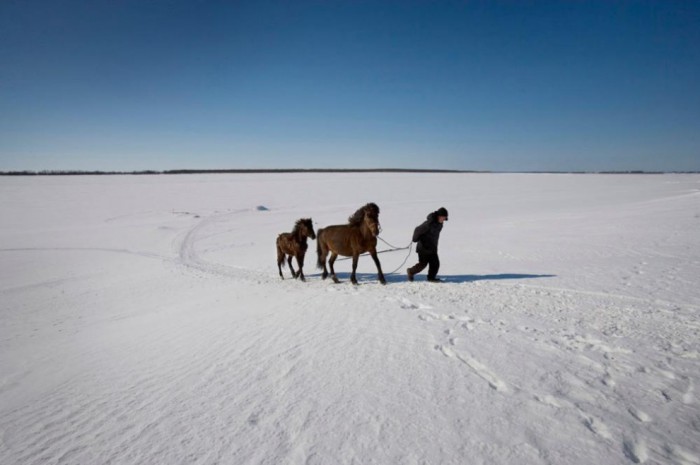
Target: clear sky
pixel 492 85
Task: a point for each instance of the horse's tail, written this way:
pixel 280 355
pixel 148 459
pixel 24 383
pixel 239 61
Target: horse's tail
pixel 280 253
pixel 319 249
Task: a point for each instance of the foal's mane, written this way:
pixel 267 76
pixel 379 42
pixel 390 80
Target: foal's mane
pixel 299 223
pixel 356 218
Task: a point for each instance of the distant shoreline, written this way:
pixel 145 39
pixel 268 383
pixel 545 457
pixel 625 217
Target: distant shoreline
pixel 311 170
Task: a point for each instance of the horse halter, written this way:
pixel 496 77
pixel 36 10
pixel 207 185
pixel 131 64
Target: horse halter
pixel 376 221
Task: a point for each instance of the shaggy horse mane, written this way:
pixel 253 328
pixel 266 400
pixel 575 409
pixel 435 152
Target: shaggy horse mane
pixel 356 218
pixel 300 222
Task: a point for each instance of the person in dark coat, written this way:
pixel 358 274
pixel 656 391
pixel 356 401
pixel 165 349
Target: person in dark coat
pixel 427 236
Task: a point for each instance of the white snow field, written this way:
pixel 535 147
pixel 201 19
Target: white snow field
pixel 143 321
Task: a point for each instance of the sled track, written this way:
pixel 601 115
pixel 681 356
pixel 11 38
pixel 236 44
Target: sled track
pixel 189 258
pixel 88 249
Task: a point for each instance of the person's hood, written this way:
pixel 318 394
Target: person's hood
pixel 439 212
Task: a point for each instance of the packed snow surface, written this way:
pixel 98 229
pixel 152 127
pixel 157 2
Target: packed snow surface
pixel 143 321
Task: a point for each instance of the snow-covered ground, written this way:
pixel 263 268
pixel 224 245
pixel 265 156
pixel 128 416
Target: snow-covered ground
pixel 142 321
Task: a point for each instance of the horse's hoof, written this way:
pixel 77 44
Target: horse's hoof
pixel 335 280
pixel 383 282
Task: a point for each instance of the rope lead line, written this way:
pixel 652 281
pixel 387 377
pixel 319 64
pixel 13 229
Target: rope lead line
pixel 393 248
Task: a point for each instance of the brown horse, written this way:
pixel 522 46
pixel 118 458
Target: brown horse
pixel 294 244
pixel 351 240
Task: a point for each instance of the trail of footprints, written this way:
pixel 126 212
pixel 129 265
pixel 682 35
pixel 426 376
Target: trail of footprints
pixel 634 448
pixel 449 350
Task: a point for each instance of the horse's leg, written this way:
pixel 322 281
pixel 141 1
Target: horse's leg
pixel 300 263
pixel 323 255
pixel 355 258
pixel 330 262
pixel 291 268
pixel 373 253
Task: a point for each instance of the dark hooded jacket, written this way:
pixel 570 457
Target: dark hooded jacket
pixel 427 235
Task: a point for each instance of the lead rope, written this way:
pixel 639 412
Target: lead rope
pixel 409 247
pixel 393 248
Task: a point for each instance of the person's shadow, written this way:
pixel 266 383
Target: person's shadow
pixel 468 278
pixel 460 278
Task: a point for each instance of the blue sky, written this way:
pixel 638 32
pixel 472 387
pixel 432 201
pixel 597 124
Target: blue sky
pixel 504 86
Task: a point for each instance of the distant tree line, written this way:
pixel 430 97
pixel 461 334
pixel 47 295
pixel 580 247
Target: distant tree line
pixel 301 170
pixel 71 172
pixel 235 171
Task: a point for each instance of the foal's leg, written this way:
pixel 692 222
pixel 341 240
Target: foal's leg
pixel 330 262
pixel 373 253
pixel 291 268
pixel 300 262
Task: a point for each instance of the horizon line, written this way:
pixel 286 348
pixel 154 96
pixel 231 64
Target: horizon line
pixel 316 170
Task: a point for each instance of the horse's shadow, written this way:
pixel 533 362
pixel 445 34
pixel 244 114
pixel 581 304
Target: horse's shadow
pixel 461 278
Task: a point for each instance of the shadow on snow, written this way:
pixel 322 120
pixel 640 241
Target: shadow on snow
pixel 468 278
pixel 447 279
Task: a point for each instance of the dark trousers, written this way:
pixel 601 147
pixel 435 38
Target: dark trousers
pixel 430 260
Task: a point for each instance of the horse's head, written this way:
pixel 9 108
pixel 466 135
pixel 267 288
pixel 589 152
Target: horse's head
pixel 368 217
pixel 307 228
pixel 371 218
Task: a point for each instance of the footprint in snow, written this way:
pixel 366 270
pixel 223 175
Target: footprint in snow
pixel 407 304
pixel 639 415
pixel 253 419
pixel 688 397
pixel 680 455
pixel 548 400
pixel 596 426
pixel 479 368
pixel 608 380
pixel 666 373
pixel 427 316
pixel 635 450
